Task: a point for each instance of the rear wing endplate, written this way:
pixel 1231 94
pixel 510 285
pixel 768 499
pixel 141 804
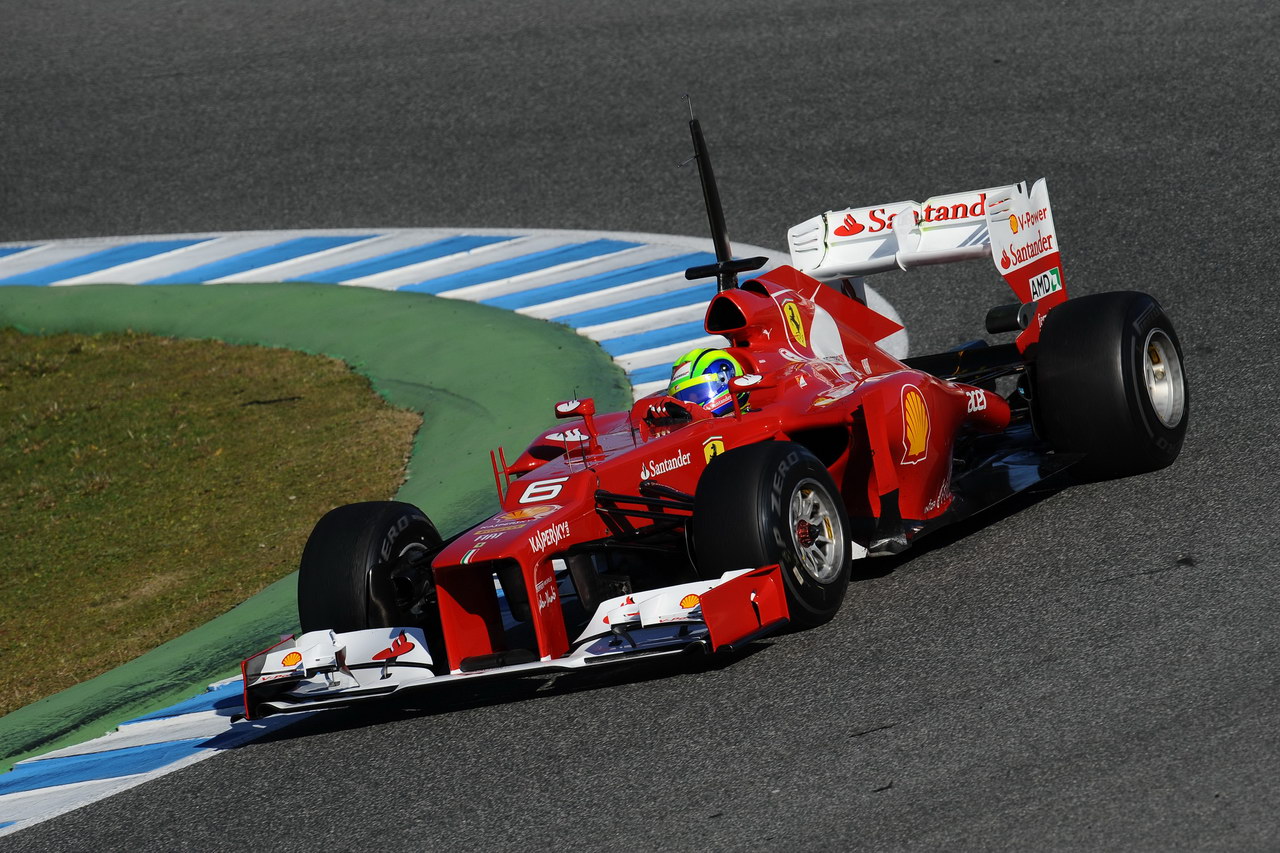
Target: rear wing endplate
pixel 1009 225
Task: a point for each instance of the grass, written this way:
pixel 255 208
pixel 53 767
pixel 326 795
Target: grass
pixel 150 484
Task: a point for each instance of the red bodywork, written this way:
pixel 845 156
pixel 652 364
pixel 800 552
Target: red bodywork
pixel 882 428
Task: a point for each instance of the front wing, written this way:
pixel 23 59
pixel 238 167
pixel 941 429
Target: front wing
pixel 323 669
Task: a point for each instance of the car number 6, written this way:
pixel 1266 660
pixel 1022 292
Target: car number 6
pixel 543 490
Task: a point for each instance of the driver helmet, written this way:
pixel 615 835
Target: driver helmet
pixel 701 376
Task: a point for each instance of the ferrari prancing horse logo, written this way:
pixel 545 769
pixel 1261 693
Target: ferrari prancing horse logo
pixel 795 325
pixel 712 447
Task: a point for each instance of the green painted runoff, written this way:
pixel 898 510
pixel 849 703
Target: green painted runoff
pixel 481 377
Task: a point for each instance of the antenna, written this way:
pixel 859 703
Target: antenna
pixel 725 269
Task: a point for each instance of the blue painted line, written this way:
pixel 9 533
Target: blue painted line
pixel 521 265
pixel 653 338
pixel 12 250
pixel 600 281
pixel 266 256
pixel 405 257
pixel 638 307
pixel 4 823
pixel 97 261
pixel 651 373
pixel 228 696
pixel 48 772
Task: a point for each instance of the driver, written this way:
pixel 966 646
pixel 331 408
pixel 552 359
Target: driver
pixel 701 376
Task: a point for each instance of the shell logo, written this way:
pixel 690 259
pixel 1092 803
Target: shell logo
pixel 690 601
pixel 528 513
pixel 291 659
pixel 1013 223
pixel 915 425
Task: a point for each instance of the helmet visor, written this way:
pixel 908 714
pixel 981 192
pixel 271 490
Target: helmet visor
pixel 709 391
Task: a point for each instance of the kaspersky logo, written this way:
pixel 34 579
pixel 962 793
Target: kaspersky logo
pixel 651 468
pixel 552 535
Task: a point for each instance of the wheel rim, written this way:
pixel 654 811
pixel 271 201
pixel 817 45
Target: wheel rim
pixel 403 586
pixel 815 530
pixel 1162 374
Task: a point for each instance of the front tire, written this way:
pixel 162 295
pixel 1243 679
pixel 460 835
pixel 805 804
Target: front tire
pixel 1109 383
pixel 775 503
pixel 345 581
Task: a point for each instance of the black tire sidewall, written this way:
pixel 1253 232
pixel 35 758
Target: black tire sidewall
pixel 741 520
pixel 340 586
pixel 1090 392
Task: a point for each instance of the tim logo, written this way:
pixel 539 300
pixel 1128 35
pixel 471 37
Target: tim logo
pixel 1046 283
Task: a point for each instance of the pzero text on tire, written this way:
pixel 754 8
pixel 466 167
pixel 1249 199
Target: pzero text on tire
pixel 775 503
pixel 345 581
pixel 1110 384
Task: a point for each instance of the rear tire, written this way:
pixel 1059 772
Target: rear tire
pixel 775 503
pixel 1109 383
pixel 344 581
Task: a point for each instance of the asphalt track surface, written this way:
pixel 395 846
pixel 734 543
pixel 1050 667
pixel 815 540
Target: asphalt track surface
pixel 1097 670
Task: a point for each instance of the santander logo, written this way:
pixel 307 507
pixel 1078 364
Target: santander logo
pixel 1038 246
pixel 651 468
pixel 950 212
pixel 850 227
pixel 1026 252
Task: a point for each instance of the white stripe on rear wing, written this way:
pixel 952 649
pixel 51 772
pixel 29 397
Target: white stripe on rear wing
pixel 861 241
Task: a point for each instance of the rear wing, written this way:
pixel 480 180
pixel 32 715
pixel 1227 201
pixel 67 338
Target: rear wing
pixel 1009 225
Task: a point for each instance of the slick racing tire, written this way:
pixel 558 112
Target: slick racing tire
pixel 775 503
pixel 345 581
pixel 1109 383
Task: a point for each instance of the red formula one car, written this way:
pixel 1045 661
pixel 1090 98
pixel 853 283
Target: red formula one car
pixel 734 502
